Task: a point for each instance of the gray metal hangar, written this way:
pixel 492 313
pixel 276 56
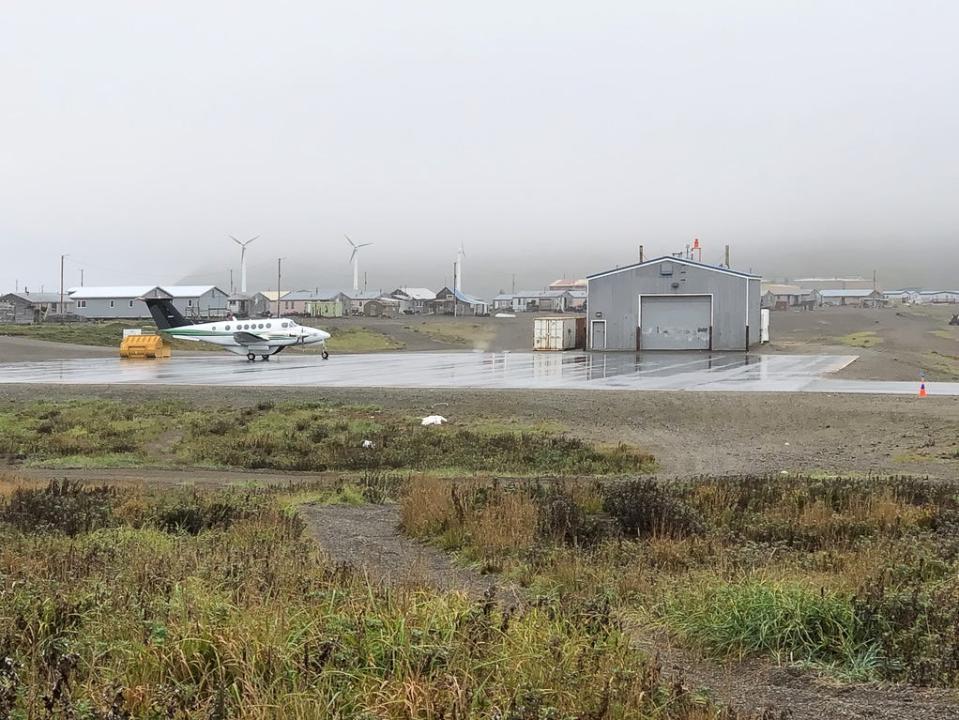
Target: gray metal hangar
pixel 673 304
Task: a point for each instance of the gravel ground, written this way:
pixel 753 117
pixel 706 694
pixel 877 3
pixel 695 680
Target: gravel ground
pixel 689 433
pixel 24 349
pixel 905 340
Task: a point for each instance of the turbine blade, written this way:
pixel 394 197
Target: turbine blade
pixel 364 245
pixel 353 255
pixel 252 239
pixel 236 241
pixel 349 241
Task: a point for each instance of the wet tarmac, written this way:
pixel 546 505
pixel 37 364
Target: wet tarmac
pixel 571 370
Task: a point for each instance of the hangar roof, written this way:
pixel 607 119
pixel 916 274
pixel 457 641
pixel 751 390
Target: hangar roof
pixel 681 261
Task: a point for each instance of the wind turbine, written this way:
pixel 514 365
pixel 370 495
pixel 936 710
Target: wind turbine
pixel 458 275
pixel 243 260
pixel 355 259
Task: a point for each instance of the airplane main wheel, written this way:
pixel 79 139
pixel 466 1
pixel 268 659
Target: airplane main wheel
pixel 251 357
pixel 325 355
pixel 265 358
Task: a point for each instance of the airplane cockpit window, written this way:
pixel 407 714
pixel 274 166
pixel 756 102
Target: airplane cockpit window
pixel 285 325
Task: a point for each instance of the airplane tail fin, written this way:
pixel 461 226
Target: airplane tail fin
pixel 165 315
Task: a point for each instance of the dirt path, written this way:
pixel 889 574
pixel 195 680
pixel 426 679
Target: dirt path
pixel 368 537
pixel 167 477
pixel 772 692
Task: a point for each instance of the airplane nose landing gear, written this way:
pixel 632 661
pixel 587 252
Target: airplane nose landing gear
pixel 251 356
pixel 325 355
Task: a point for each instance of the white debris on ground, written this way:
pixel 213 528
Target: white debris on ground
pixel 434 420
pixel 369 444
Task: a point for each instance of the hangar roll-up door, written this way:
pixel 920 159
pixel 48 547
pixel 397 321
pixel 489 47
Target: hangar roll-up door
pixel 675 322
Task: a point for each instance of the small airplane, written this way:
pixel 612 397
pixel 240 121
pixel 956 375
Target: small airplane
pixel 263 336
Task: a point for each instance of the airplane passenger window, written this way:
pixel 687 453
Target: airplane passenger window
pixel 227 327
pixel 260 326
pixel 285 325
pixel 269 325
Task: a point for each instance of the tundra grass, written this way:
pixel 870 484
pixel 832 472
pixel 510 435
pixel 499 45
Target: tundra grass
pixel 96 334
pixel 176 604
pixel 104 334
pixel 865 339
pixel 941 365
pixel 297 437
pixel 856 577
pixel 360 340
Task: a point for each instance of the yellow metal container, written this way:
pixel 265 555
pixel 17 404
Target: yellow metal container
pixel 144 346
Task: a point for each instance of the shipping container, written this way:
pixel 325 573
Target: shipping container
pixel 554 333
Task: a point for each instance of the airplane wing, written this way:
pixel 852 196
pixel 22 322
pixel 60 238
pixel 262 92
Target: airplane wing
pixel 245 338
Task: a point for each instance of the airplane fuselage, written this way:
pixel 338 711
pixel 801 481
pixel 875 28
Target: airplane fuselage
pixel 263 336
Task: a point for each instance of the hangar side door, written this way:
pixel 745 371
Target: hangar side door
pixel 675 322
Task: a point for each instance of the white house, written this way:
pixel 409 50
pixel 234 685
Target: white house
pixel 534 300
pixel 413 299
pixel 857 298
pixel 939 296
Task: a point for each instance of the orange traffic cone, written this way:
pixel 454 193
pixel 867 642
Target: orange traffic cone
pixel 922 389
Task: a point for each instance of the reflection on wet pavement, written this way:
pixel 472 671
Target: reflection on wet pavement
pixel 571 370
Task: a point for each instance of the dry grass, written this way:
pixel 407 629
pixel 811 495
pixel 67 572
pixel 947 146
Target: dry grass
pixel 855 576
pixel 240 616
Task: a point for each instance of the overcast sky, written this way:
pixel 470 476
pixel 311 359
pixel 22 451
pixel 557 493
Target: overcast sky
pixel 549 138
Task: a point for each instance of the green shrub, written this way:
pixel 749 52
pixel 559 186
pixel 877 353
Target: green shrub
pixel 788 620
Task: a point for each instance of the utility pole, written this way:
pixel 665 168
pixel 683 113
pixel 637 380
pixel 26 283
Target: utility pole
pixel 514 284
pixel 60 306
pixel 642 257
pixel 727 257
pixel 454 289
pixel 81 277
pixel 279 275
pixel 364 281
pixel 231 281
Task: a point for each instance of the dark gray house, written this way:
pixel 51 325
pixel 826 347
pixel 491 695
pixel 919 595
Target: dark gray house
pixel 673 304
pixel 114 302
pixel 196 302
pixel 27 307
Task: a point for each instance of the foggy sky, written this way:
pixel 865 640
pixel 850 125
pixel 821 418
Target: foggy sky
pixel 550 138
